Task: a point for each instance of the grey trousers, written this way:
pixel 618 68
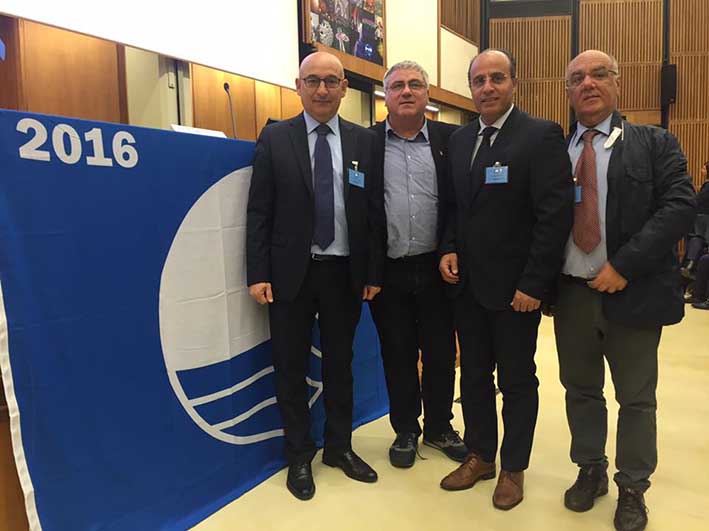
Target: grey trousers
pixel 583 338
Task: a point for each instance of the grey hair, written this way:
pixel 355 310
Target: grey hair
pixel 406 65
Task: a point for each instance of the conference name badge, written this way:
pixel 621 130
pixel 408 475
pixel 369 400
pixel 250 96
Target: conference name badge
pixel 496 174
pixel 355 177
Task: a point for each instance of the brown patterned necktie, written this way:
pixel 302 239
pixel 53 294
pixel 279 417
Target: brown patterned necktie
pixel 587 226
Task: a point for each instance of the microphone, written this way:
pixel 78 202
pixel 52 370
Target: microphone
pixel 231 109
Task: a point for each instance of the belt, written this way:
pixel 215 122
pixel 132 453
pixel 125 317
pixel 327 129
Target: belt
pixel 328 258
pixel 576 280
pixel 424 258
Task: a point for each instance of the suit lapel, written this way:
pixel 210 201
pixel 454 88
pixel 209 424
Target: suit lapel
pixel 434 139
pixel 299 138
pixel 349 150
pixel 464 182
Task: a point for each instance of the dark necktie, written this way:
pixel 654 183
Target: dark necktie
pixel 483 154
pixel 587 226
pixel 324 233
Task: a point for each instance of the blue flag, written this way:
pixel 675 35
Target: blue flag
pixel 2 50
pixel 138 371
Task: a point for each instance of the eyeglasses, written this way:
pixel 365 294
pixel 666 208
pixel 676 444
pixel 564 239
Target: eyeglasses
pixel 498 78
pixel 599 75
pixel 414 86
pixel 313 82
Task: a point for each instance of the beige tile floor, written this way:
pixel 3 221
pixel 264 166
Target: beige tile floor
pixel 412 500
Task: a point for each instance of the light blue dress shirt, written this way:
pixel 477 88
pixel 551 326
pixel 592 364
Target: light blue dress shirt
pixel 341 244
pixel 577 263
pixel 410 194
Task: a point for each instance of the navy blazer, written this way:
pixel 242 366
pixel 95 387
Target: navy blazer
pixel 280 211
pixel 512 235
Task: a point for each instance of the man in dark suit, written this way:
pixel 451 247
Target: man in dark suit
pixel 413 312
pixel 620 284
pixel 315 232
pixel 510 215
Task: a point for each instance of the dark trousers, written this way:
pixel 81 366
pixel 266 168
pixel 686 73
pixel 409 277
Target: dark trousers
pixel 507 340
pixel 412 312
pixel 327 291
pixel 583 338
pixel 701 282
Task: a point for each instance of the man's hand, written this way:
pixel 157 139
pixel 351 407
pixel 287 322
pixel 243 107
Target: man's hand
pixel 261 292
pixel 608 280
pixel 524 303
pixel 370 292
pixel 448 266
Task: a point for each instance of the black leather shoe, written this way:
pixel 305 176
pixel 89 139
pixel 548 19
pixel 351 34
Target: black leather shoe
pixel 704 305
pixel 591 483
pixel 352 465
pixel 300 481
pixel 402 452
pixel 631 513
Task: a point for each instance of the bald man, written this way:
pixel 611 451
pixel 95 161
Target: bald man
pixel 620 284
pixel 315 245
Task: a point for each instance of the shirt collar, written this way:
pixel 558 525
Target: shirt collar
pixel 311 123
pixel 423 131
pixel 497 124
pixel 604 127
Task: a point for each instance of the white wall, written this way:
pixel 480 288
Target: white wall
pixel 412 33
pixel 257 39
pixel 456 54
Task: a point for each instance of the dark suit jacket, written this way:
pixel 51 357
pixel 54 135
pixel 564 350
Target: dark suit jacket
pixel 280 213
pixel 650 206
pixel 438 135
pixel 510 236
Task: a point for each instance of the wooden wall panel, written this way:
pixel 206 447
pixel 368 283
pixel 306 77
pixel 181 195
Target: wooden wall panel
pixel 631 31
pixel 639 87
pixel 10 74
pixel 542 47
pixel 268 104
pixel 211 106
pixel 692 88
pixel 689 50
pixel 69 74
pixel 546 99
pixel 694 139
pixel 290 103
pixel 689 32
pixel 462 17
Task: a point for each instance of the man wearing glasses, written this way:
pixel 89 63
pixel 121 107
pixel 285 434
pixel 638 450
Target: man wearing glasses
pixel 510 213
pixel 413 312
pixel 315 240
pixel 620 284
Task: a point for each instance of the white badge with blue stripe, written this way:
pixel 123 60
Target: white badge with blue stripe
pixel 496 174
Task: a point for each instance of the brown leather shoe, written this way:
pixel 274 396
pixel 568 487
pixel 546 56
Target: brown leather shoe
pixel 509 491
pixel 469 473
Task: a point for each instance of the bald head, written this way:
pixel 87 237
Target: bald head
pixel 500 54
pixel 321 85
pixel 592 86
pixel 592 55
pixel 321 59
